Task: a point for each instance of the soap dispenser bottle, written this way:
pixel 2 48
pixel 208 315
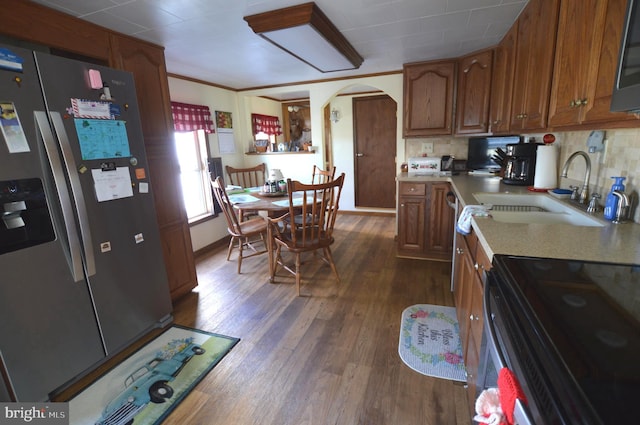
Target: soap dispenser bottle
pixel 611 204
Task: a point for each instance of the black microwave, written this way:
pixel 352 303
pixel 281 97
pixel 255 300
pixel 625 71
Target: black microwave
pixel 626 89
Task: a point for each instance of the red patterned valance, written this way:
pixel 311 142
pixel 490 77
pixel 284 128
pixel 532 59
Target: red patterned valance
pixel 266 124
pixel 187 117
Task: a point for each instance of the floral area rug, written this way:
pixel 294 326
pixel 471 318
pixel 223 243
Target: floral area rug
pixel 430 341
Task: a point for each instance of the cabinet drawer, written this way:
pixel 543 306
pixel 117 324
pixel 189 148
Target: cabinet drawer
pixel 413 189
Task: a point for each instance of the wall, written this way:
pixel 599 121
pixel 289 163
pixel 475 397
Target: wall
pixel 206 233
pixel 299 167
pixel 321 94
pixel 621 157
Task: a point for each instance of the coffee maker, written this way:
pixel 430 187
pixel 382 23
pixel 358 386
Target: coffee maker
pixel 520 163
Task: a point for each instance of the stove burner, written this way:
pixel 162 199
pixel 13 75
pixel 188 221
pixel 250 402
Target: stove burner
pixel 611 338
pixel 574 300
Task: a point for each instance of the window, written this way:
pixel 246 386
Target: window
pixel 194 174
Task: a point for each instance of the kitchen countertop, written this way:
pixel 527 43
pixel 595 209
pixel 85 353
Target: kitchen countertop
pixel 614 243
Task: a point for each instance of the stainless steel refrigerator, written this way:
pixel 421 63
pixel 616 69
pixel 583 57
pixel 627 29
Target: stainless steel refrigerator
pixel 81 268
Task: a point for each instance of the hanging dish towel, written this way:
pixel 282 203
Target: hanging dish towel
pixel 464 221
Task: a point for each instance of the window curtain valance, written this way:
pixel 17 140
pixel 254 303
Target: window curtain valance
pixel 187 117
pixel 266 124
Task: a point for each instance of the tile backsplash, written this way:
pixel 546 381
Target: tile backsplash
pixel 621 157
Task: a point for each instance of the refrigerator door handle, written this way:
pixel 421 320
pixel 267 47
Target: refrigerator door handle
pixel 76 189
pixel 5 379
pixel 75 253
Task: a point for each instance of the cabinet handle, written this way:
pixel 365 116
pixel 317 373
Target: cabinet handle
pixel 472 317
pixel 584 102
pixel 572 104
pixel 459 251
pixel 476 266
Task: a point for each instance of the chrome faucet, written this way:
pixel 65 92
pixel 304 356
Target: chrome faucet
pixel 584 194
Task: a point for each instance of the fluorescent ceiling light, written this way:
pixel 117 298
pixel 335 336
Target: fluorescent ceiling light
pixel 306 33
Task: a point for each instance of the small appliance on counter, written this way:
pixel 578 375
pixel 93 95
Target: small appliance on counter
pixel 520 164
pixel 453 165
pixel 423 166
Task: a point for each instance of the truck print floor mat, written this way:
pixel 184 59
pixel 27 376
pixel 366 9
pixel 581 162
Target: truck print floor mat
pixel 149 384
pixel 430 341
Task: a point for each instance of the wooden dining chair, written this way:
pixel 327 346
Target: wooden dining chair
pixel 322 176
pixel 246 234
pixel 319 204
pixel 247 177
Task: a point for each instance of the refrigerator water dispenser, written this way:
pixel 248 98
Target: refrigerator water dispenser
pixel 25 216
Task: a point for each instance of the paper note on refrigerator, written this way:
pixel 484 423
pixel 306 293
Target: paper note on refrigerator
pixel 110 185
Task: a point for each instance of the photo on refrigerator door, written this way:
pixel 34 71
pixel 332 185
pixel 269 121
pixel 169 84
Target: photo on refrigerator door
pixel 12 128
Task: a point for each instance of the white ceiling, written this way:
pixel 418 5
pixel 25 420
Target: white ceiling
pixel 209 40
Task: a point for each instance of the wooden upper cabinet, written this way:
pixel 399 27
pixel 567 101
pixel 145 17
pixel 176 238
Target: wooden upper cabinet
pixel 504 61
pixel 534 65
pixel 474 92
pixel 586 63
pixel 428 98
pixel 577 54
pixel 146 63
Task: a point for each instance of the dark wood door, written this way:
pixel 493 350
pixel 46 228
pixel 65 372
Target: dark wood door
pixel 374 120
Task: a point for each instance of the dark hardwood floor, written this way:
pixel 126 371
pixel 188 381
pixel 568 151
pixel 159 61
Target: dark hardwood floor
pixel 330 357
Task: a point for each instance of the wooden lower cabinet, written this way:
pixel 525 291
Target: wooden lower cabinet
pixel 425 221
pixel 471 265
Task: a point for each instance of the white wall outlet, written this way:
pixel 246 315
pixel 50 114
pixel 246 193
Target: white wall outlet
pixel 427 147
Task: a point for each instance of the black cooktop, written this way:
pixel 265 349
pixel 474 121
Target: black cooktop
pixel 588 314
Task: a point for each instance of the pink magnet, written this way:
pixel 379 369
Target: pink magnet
pixel 95 79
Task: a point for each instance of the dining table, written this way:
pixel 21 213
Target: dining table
pixel 273 204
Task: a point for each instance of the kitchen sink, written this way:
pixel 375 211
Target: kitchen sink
pixel 534 208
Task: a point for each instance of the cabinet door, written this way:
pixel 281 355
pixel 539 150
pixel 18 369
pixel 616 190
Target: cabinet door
pixel 577 52
pixel 146 62
pixel 605 66
pixel 472 362
pixel 502 82
pixel 428 98
pixel 464 284
pixel 411 224
pixel 474 91
pixel 534 64
pixel 440 226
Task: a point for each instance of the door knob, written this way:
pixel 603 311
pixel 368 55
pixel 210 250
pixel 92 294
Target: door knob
pixel 359 154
